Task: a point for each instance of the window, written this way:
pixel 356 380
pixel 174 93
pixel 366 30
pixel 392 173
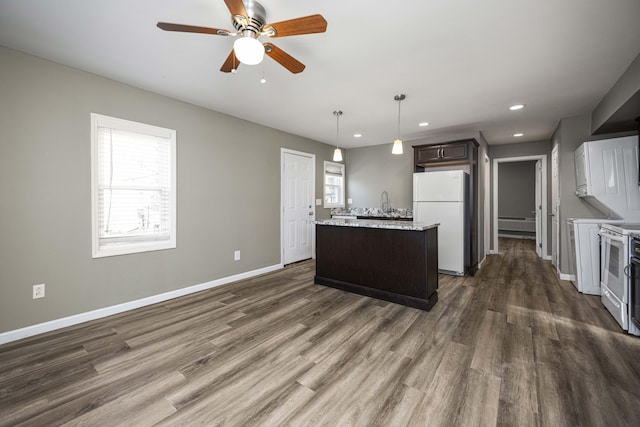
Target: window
pixel 133 187
pixel 333 185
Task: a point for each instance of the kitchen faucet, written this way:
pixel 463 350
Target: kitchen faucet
pixel 384 202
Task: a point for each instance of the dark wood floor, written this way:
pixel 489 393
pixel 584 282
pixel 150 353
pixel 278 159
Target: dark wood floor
pixel 511 346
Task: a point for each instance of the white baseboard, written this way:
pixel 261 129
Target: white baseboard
pixel 568 277
pixel 17 334
pixel 544 257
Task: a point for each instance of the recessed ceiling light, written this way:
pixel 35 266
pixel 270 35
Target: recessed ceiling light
pixel 357 135
pixel 518 135
pixel 423 124
pixel 517 107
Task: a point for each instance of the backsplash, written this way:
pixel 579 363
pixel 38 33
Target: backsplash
pixel 374 212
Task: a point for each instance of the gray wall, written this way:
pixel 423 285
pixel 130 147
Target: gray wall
pixel 371 170
pixel 516 190
pixel 228 176
pixel 626 86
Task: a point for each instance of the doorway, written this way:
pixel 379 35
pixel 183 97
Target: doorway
pixel 487 206
pixel 297 196
pixel 540 195
pixel 555 209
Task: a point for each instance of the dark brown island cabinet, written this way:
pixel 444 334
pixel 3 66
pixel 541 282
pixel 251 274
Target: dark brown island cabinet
pixel 394 261
pixel 460 153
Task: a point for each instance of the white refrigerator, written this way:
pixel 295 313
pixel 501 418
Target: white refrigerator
pixel 440 197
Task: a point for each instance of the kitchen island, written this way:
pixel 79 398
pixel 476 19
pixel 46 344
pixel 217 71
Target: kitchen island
pixel 395 261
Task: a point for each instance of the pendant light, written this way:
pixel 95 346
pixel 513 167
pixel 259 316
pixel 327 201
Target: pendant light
pixel 337 153
pixel 397 144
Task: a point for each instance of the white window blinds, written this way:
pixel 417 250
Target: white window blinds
pixel 333 185
pixel 134 188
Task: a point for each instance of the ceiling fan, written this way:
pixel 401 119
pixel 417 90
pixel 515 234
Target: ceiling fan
pixel 249 20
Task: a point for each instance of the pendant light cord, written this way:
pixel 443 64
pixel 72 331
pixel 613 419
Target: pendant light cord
pixel 337 113
pixel 338 130
pixel 399 102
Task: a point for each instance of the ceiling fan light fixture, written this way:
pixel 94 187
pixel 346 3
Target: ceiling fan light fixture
pixel 248 50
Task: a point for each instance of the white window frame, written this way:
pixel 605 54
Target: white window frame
pixel 341 166
pixel 134 244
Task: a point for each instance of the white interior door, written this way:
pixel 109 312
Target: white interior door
pixel 298 185
pixel 538 208
pixel 555 208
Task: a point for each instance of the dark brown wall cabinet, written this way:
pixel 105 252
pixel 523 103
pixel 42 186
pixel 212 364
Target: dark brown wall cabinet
pixel 461 152
pixel 441 153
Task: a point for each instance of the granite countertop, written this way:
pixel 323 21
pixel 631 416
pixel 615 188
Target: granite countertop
pixel 373 212
pixel 372 223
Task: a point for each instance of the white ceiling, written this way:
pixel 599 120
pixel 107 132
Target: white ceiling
pixel 461 63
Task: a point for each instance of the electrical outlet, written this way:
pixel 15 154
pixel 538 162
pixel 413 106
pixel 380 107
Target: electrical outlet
pixel 38 291
pixel 236 256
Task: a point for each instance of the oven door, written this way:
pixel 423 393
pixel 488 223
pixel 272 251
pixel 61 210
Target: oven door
pixel 634 292
pixel 613 263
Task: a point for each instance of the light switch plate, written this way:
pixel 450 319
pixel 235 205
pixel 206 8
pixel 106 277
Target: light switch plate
pixel 318 202
pixel 349 201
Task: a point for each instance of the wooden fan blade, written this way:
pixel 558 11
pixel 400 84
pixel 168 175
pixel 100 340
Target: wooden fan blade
pixel 283 58
pixel 231 63
pixel 306 25
pixel 167 26
pixel 236 7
